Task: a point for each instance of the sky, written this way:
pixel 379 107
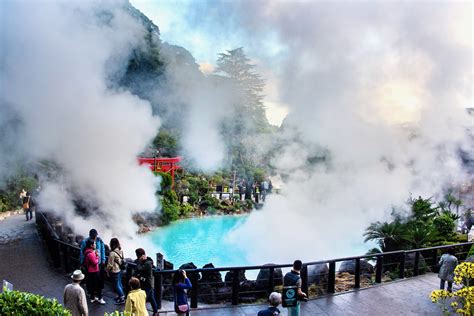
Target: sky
pixel 194 25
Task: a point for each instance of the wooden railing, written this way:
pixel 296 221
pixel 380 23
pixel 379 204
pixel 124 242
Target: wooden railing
pixel 389 266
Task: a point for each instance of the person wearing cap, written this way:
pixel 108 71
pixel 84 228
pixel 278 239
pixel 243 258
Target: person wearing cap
pixel 275 300
pixel 74 296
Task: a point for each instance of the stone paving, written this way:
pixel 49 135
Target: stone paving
pixel 24 263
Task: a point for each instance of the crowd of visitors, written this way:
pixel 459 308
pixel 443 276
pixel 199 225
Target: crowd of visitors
pixel 95 265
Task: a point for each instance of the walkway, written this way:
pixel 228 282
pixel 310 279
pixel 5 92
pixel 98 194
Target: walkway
pixel 24 264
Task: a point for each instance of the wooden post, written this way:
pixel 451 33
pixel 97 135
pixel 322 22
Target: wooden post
pixel 401 267
pixel 379 269
pixel 357 274
pixel 332 277
pixel 417 263
pixel 271 280
pixel 304 279
pixel 159 280
pixel 195 290
pixel 235 287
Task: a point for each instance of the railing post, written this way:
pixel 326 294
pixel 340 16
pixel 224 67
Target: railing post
pixel 271 280
pixel 357 273
pixel 417 263
pixel 304 279
pixel 66 253
pixel 434 255
pixel 194 278
pixel 401 267
pixel 332 277
pixel 378 269
pixel 159 280
pixel 235 287
pixel 56 253
pixel 128 276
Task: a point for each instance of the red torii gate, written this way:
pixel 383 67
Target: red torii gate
pixel 167 165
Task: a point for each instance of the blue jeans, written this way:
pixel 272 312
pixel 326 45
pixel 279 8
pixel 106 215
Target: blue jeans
pixel 150 297
pixel 117 282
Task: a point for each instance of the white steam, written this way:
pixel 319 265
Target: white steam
pixel 384 89
pixel 57 62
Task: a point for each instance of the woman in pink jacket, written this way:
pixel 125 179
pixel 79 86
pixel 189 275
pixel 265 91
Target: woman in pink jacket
pixel 93 281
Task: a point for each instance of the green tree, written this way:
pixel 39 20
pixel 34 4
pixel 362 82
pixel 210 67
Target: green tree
pixel 389 236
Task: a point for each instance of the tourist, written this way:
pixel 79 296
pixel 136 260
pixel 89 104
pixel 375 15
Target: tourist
pixel 293 278
pixel 144 272
pixel 27 204
pixel 93 279
pixel 114 269
pixel 448 263
pixel 74 297
pixel 275 300
pixel 136 300
pixel 181 283
pixel 100 247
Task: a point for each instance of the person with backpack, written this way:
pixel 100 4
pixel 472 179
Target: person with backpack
pixel 144 272
pixel 293 293
pixel 115 265
pixel 181 283
pixel 93 280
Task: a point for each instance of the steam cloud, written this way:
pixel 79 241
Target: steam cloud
pixel 59 104
pixel 383 88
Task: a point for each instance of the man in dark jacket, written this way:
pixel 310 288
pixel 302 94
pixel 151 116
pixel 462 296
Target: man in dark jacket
pixel 144 272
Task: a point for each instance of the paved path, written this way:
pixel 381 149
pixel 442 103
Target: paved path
pixel 24 263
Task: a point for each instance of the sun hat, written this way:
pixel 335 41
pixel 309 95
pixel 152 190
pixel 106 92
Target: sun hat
pixel 77 275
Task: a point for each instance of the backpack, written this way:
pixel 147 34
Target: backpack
pixel 290 290
pixel 123 264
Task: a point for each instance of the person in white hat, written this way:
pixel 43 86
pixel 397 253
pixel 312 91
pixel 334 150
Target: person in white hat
pixel 75 297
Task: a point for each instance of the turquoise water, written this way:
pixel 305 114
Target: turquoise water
pixel 201 241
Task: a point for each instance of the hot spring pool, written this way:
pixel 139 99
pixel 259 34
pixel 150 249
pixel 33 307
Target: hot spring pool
pixel 200 240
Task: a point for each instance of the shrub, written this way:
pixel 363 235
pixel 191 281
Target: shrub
pixel 186 208
pixel 23 303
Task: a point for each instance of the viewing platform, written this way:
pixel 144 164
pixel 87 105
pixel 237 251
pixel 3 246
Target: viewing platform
pixel 25 264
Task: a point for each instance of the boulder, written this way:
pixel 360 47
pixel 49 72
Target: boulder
pixel 212 277
pixel 318 274
pixel 263 277
pixel 410 262
pixel 366 268
pixel 229 277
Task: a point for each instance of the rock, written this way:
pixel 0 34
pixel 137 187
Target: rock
pixel 349 266
pixel 318 274
pixel 211 277
pixel 229 277
pixel 410 263
pixel 263 277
